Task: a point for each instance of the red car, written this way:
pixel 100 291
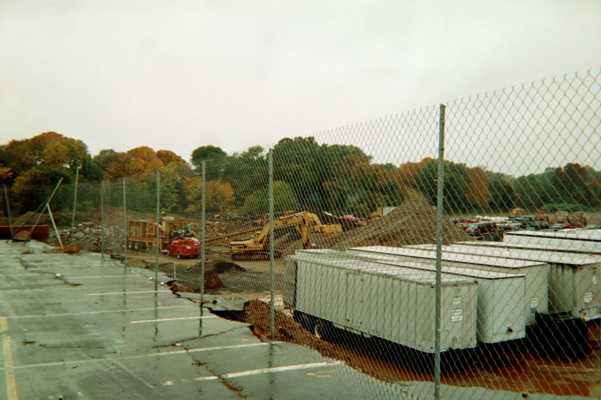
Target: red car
pixel 181 248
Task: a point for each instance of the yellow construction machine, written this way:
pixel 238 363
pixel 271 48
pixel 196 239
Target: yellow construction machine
pixel 303 223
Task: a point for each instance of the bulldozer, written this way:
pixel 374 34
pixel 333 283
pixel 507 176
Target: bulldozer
pixel 304 223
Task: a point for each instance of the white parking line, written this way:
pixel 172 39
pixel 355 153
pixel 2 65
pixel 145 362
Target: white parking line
pixel 261 371
pixel 146 321
pixel 53 275
pixel 126 292
pixel 95 312
pixel 138 356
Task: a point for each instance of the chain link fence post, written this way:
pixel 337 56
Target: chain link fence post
pixel 8 213
pixel 439 240
pixel 75 197
pixel 271 253
pixel 203 223
pixel 157 250
pixel 102 227
pixel 125 223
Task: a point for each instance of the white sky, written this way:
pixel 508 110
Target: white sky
pixel 179 74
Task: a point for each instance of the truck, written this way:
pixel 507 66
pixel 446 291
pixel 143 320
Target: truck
pixel 175 237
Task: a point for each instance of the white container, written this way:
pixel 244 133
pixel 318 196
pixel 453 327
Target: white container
pixel 574 279
pixel 501 296
pixel 588 242
pixel 556 246
pixel 392 303
pixel 537 273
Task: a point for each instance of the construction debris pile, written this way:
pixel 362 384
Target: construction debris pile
pixel 89 236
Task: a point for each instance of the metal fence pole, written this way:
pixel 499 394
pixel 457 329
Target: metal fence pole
pixel 37 219
pixel 125 223
pixel 157 251
pixel 271 254
pixel 102 221
pixel 439 239
pixel 8 213
pixel 75 197
pixel 203 223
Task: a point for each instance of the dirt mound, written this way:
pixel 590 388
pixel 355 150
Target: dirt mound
pixel 223 266
pixel 413 222
pixel 257 314
pixel 72 248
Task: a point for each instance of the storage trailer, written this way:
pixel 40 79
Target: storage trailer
pixel 389 302
pixel 536 273
pixel 574 279
pixel 589 243
pixel 558 247
pixel 494 324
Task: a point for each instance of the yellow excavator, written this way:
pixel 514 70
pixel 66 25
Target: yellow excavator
pixel 304 223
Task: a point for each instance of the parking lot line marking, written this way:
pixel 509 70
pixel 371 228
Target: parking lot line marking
pixel 52 275
pixel 7 355
pixel 146 321
pixel 121 293
pixel 29 316
pixel 140 356
pixel 261 371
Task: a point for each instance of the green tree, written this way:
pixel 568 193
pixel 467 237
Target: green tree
pixel 214 157
pixel 284 199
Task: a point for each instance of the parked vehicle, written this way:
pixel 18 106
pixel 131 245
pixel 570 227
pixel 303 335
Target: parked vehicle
pixel 184 248
pixel 484 231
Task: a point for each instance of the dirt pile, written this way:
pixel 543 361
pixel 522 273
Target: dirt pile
pixel 257 314
pixel 413 222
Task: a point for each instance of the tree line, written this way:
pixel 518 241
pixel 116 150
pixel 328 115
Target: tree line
pixel 308 175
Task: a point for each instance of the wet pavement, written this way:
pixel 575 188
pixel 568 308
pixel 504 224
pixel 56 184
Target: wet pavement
pixel 77 327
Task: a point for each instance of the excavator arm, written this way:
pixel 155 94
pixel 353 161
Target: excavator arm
pixel 305 223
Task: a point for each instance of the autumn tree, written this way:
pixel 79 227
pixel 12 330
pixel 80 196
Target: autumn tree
pixel 220 195
pixel 478 191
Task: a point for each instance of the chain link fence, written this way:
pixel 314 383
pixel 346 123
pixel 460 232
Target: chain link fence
pixel 456 248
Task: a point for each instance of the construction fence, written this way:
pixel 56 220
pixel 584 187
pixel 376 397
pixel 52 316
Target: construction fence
pixel 453 251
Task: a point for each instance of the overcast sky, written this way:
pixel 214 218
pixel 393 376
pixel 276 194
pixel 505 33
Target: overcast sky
pixel 179 74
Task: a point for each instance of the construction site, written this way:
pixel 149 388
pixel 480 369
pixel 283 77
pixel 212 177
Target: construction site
pixel 186 211
pixel 196 294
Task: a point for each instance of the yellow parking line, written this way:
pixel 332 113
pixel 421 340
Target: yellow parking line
pixel 7 353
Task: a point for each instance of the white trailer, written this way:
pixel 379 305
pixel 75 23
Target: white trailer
pixel 528 246
pixel 501 296
pixel 574 279
pixel 389 302
pixel 587 242
pixel 536 273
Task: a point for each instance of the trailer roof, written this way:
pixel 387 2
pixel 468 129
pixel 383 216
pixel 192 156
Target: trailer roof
pixel 559 247
pixel 428 253
pixel 401 272
pixel 554 257
pixel 394 262
pixel 586 235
